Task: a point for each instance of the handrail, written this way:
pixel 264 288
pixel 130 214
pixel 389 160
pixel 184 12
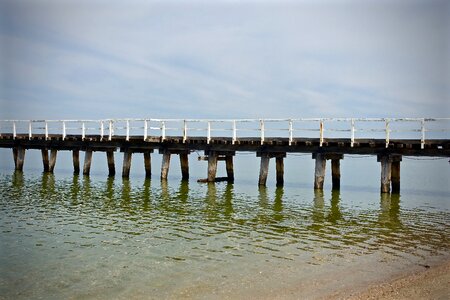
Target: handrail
pixel 106 128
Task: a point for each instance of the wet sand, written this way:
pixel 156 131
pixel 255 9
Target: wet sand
pixel 428 279
pixel 433 282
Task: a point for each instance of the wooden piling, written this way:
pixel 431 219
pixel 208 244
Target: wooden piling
pixel 165 165
pixel 280 171
pixel 52 162
pixel 386 164
pixel 230 168
pixel 395 174
pixel 319 173
pixel 45 162
pixel 148 164
pixel 184 161
pixel 126 164
pixel 111 164
pixel 15 157
pixel 87 162
pixel 76 161
pixel 264 169
pixel 212 166
pixel 19 158
pixel 336 174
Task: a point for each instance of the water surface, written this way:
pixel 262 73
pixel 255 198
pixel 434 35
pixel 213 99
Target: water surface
pixel 73 236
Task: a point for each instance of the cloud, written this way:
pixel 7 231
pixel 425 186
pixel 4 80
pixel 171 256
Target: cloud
pixel 224 60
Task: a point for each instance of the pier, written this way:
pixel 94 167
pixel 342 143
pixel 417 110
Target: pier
pixel 326 139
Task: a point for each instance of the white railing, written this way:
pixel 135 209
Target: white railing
pixel 322 128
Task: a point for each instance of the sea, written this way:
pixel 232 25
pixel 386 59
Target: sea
pixel 65 236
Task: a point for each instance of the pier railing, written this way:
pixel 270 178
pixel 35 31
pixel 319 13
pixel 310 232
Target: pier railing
pixel 322 128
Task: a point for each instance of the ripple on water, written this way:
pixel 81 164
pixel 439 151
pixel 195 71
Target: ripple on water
pixel 194 228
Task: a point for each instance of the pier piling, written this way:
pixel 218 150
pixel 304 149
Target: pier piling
pixel 45 161
pixel 126 164
pixel 165 164
pixel 49 164
pixel 395 173
pixel 264 169
pixel 212 166
pixel 336 174
pixel 213 157
pixel 280 171
pixel 19 158
pixel 319 171
pixel 87 162
pixel 386 163
pixel 148 164
pixel 111 164
pixel 52 162
pixel 184 162
pixel 229 167
pixel 390 172
pixel 76 161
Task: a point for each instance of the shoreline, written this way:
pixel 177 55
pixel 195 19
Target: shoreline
pixel 433 282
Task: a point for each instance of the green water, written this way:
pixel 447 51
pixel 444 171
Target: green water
pixel 65 236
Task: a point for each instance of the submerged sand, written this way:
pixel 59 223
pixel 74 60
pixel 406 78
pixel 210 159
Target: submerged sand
pixel 428 279
pixel 431 283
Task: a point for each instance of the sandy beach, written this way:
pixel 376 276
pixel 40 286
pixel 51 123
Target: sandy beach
pixel 433 282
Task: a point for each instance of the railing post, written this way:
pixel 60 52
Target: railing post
pixel 163 130
pixel 64 130
pixel 29 130
pixel 46 130
pixel 128 130
pixel 102 130
pixel 110 130
pixel 261 125
pixel 208 138
pixel 321 132
pixel 290 132
pixel 83 131
pixel 422 129
pixel 387 133
pixel 184 131
pixel 234 132
pixel 145 129
pixel 352 141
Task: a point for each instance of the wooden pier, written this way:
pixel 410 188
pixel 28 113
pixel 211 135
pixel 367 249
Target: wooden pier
pixel 325 139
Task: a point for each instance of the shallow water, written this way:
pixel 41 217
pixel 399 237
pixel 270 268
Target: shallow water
pixel 72 236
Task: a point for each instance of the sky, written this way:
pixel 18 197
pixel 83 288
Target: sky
pixel 224 59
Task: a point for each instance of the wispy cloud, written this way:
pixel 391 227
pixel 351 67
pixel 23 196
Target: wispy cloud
pixel 110 59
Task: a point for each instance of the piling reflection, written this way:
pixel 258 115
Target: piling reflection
pixel 187 211
pixel 318 212
pixel 278 214
pixel 74 189
pixel 146 195
pixel 48 185
pixel 86 188
pixel 183 191
pixel 389 216
pixel 125 196
pixel 165 191
pixel 335 214
pixel 17 183
pixel 109 201
pixel 228 197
